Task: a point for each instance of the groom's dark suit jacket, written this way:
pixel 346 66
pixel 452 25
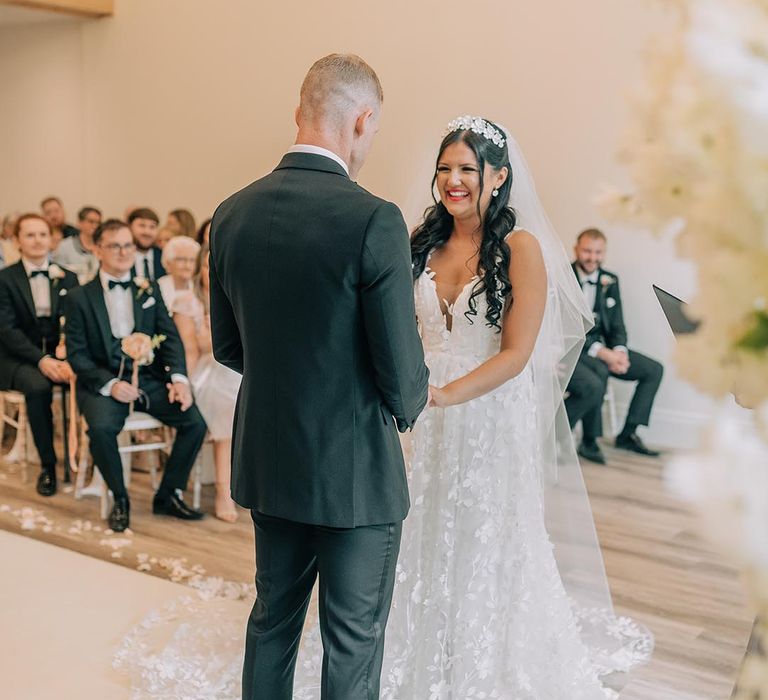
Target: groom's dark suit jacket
pixel 312 301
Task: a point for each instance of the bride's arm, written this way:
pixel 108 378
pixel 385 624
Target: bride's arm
pixel 520 326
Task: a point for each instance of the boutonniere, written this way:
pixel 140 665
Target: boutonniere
pixel 607 280
pixel 55 273
pixel 143 285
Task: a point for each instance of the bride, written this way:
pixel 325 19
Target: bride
pixel 481 609
pixel 500 590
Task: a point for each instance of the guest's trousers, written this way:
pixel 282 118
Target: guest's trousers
pixel 356 568
pixel 587 389
pixel 38 395
pixel 105 417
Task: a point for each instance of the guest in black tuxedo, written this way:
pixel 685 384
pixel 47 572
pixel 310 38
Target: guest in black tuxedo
pixel 606 354
pixel 312 302
pixel 99 315
pixel 31 294
pixel 143 223
pixel 53 211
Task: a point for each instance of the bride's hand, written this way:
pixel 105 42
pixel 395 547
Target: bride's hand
pixel 438 397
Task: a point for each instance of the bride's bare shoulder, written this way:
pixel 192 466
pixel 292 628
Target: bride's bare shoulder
pixel 523 242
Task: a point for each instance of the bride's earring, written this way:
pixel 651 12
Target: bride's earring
pixel 495 193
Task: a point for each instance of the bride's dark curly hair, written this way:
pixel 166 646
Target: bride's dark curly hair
pixel 499 220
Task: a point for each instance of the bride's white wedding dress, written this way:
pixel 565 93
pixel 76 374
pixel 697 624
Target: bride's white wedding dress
pixel 479 608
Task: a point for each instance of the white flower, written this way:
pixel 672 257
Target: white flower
pixel 55 272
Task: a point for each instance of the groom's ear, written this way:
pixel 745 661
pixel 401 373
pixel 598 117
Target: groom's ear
pixel 296 115
pixel 364 122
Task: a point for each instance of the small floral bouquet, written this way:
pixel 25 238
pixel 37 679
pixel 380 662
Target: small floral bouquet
pixel 55 273
pixel 141 349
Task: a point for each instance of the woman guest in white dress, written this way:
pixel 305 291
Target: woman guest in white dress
pixel 179 258
pixel 215 386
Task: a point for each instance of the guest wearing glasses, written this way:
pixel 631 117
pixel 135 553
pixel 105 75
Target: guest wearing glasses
pixel 100 316
pixel 179 258
pixel 76 252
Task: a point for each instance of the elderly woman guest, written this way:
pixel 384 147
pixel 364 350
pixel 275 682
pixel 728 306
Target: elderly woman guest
pixel 215 386
pixel 181 222
pixel 179 258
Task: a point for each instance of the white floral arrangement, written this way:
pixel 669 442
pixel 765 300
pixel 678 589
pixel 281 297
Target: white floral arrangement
pixel 697 153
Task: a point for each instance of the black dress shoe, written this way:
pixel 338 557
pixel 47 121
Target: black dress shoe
pixel 46 483
pixel 634 444
pixel 591 450
pixel 174 505
pixel 119 518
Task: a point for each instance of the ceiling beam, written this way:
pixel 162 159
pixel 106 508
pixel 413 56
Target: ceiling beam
pixel 79 8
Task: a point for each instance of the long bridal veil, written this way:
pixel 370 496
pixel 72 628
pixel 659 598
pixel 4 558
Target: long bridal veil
pixel 616 643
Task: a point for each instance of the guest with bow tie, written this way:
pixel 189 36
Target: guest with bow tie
pixel 31 295
pixel 100 315
pixel 605 354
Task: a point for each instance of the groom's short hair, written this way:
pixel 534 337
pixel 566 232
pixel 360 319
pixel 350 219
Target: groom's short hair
pixel 336 84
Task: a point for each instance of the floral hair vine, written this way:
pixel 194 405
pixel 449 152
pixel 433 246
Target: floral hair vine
pixel 479 126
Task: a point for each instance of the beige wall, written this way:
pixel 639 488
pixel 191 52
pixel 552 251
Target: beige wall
pixel 180 102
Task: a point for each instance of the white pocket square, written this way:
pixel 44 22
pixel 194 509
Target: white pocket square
pixel 148 303
pixel 610 302
pixel 62 292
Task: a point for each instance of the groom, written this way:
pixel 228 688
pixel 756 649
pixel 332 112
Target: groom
pixel 312 301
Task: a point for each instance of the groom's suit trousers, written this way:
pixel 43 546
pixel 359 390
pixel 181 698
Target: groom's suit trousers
pixel 356 569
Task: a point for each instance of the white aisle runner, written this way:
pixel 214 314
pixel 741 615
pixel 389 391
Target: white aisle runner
pixel 62 615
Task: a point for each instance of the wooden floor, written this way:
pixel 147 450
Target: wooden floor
pixel 660 570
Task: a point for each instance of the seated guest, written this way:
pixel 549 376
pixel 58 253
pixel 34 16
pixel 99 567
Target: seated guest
pixel 605 354
pixel 8 245
pixel 203 233
pixel 143 223
pixel 163 236
pixel 180 260
pixel 53 210
pixel 215 385
pixel 76 252
pixel 101 314
pixel 181 222
pixel 31 295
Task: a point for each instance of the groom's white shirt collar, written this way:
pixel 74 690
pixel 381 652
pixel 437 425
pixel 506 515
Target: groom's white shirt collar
pixel 318 151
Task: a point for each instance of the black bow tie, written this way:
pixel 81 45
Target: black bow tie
pixel 35 273
pixel 592 282
pixel 115 283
